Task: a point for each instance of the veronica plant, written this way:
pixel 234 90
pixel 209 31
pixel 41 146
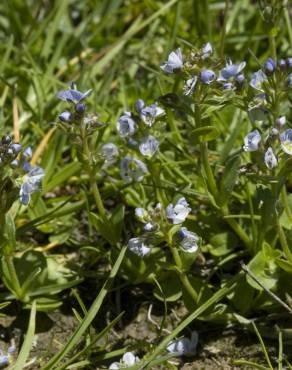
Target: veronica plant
pixel 18 181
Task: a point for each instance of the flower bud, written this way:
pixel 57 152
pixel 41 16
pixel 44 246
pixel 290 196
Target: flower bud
pixel 65 116
pixel 80 108
pixel 282 63
pixel 207 76
pixel 270 66
pixel 281 121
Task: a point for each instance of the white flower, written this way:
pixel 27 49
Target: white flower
pixel 190 85
pixel 206 50
pixel 252 141
pixel 174 62
pixel 132 169
pixel 128 360
pixel 179 212
pixel 189 242
pixel 126 126
pixel 281 121
pixel 138 246
pixel 184 346
pixel 270 159
pixel 257 80
pixel 141 213
pixel 286 141
pixel 148 146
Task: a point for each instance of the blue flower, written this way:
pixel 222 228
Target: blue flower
pixel 270 159
pixel 110 153
pixel 286 141
pixel 132 169
pixel 178 213
pixel 27 154
pixel 30 184
pixel 231 70
pixel 4 360
pixel 16 148
pixel 252 141
pixel 240 78
pixel 207 76
pixel 148 114
pixel 174 62
pixel 126 126
pixel 72 95
pixel 257 80
pixel 270 66
pixel 138 246
pixel 148 146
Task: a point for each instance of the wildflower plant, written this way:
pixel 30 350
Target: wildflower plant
pixel 168 186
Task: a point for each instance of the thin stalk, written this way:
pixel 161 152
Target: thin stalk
pixel 181 274
pixel 212 186
pixel 273 48
pixel 253 224
pixel 223 32
pixel 237 228
pixel 92 180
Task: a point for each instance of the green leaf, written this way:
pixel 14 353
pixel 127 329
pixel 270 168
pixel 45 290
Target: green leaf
pixel 67 171
pixel 230 176
pixel 203 134
pixel 171 288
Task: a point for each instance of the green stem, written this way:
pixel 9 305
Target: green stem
pixel 92 179
pixel 286 203
pixel 208 171
pixel 253 224
pixel 223 31
pixel 181 274
pixel 237 228
pixel 273 49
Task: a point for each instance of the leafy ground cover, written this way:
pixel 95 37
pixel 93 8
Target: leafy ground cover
pixel 145 161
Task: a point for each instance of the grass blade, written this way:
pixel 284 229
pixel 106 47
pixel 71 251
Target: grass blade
pixel 27 344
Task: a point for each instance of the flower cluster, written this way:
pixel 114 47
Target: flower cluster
pixel 260 96
pixel 156 220
pixel 16 172
pixel 199 68
pixel 135 129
